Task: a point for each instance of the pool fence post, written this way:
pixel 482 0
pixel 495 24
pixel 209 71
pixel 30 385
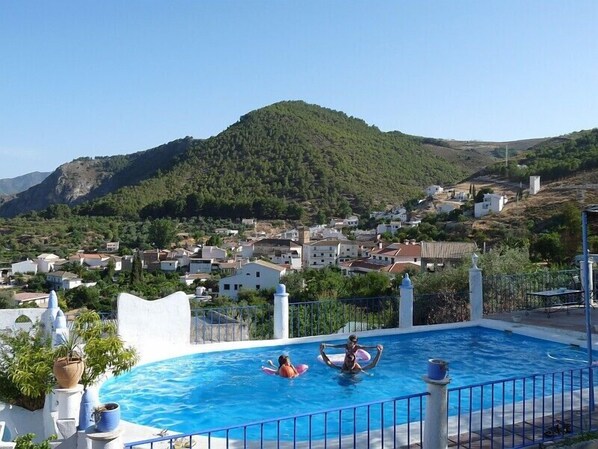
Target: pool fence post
pixel 281 313
pixel 476 296
pixel 406 303
pixel 436 423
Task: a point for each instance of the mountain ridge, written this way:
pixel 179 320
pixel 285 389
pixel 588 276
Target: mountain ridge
pixel 12 186
pixel 287 154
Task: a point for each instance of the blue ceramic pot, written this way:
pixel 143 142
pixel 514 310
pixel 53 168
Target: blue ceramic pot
pixel 107 417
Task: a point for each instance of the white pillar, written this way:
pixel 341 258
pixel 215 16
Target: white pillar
pixel 61 331
pixel 436 423
pixel 68 401
pixel 590 278
pixel 281 313
pixel 476 294
pixel 49 315
pixel 406 303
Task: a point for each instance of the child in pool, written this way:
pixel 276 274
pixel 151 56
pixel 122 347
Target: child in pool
pixel 285 367
pixel 352 345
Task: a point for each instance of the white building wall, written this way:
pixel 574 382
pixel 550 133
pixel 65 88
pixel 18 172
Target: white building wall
pixel 247 250
pixel 249 279
pixel 534 185
pixel 200 266
pixel 9 316
pixel 319 256
pixel 492 203
pixel 213 252
pixel 27 266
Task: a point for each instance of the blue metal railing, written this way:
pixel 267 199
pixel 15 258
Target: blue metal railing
pixel 508 413
pixel 392 423
pixel 441 307
pixel 522 411
pixel 233 323
pixel 332 316
pixel 508 293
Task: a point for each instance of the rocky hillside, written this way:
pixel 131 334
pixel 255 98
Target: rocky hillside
pixel 86 178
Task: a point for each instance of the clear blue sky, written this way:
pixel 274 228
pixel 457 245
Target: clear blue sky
pixel 83 78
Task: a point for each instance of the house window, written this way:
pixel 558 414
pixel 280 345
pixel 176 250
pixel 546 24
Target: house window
pixel 226 286
pixel 236 287
pixel 257 287
pixel 257 274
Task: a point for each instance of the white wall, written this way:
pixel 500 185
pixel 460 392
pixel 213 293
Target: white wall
pixel 154 325
pixel 534 185
pixel 9 316
pixel 248 280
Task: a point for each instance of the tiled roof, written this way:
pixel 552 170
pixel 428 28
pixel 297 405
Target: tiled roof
pixel 399 267
pixel 400 249
pixel 447 250
pixel 269 265
pixel 23 297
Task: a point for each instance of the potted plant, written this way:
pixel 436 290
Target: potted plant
pixel 104 353
pixel 68 363
pixel 107 417
pixel 26 359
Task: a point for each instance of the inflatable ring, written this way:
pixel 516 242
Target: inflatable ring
pixel 361 355
pixel 301 368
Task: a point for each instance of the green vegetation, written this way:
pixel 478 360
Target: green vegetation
pixel 288 160
pixel 26 360
pixel 27 357
pixel 555 158
pixel 26 442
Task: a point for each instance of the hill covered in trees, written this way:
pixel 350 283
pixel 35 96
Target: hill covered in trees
pixel 555 158
pixel 287 160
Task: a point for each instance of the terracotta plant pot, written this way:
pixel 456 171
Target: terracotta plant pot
pixel 68 371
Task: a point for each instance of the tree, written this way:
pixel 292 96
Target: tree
pixel 6 299
pixel 110 269
pixel 136 269
pixel 548 247
pixel 214 240
pixel 479 197
pixel 162 233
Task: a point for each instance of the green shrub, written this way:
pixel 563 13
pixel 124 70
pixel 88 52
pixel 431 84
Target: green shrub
pixel 26 360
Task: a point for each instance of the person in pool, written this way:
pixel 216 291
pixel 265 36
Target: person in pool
pixel 352 345
pixel 285 367
pixel 350 365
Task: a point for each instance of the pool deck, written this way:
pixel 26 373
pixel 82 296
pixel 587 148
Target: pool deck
pixel 569 324
pixel 571 321
pixel 567 319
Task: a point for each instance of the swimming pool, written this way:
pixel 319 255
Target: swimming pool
pixel 218 389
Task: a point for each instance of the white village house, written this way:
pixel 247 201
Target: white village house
pixel 46 262
pixel 63 280
pixel 324 253
pixel 26 266
pixel 252 276
pixel 493 202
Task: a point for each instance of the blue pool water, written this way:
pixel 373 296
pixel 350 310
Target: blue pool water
pixel 221 389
